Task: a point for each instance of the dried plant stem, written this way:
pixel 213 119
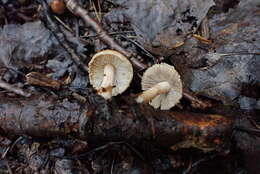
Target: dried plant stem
pixel 36 78
pixel 195 101
pixel 204 28
pixel 103 35
pixel 16 90
pixel 61 38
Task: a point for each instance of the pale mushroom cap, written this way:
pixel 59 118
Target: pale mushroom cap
pixel 123 68
pixel 160 73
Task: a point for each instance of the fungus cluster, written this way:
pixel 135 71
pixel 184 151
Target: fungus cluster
pixel 111 73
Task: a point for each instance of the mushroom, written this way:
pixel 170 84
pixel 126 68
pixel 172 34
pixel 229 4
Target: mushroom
pixel 110 73
pixel 162 85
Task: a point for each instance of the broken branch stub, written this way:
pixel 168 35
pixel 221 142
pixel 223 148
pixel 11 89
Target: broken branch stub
pixel 35 78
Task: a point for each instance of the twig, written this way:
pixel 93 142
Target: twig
pixel 10 147
pixel 204 28
pixel 62 39
pixel 111 33
pixel 130 147
pixel 195 101
pixel 95 9
pixel 201 38
pixel 99 10
pixel 248 130
pixel 112 165
pixel 16 90
pixel 62 23
pixel 239 53
pixel 253 123
pixel 8 166
pixel 24 17
pixel 198 162
pixel 141 47
pixel 77 10
pixel 83 155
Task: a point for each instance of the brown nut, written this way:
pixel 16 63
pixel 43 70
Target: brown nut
pixel 58 6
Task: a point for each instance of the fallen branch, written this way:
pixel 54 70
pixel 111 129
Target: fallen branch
pixel 46 116
pixel 77 10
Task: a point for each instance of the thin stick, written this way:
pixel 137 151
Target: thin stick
pixel 201 38
pixel 204 28
pixel 112 33
pixel 77 10
pixel 99 10
pixel 195 101
pixel 95 9
pixel 141 47
pixel 8 166
pixel 62 39
pixel 62 23
pixel 13 89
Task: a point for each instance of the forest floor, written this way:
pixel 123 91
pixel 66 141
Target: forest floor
pixel 53 121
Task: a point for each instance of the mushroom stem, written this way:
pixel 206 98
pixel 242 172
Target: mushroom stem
pixel 107 83
pixel 148 95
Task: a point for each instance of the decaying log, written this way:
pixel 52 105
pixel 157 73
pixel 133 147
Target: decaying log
pixel 95 120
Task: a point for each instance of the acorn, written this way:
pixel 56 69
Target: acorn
pixel 58 6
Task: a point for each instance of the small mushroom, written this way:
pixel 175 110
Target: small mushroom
pixel 110 73
pixel 162 85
